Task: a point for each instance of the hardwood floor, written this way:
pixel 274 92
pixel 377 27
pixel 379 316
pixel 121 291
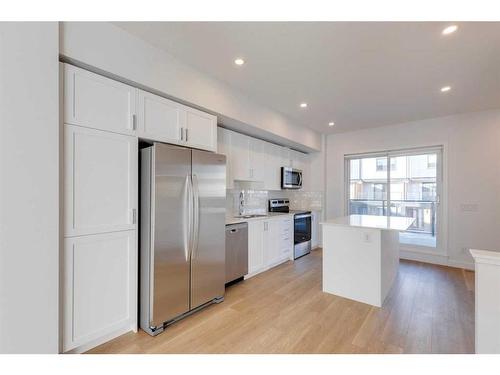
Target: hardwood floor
pixel 430 309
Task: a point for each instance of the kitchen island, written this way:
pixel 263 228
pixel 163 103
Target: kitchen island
pixel 361 256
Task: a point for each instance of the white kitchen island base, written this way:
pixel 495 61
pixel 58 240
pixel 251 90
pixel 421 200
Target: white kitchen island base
pixel 361 256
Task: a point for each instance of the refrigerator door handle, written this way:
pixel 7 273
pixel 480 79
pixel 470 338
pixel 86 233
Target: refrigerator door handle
pixel 188 211
pixel 196 215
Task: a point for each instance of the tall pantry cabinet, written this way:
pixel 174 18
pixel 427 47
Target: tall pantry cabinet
pixel 102 122
pixel 99 291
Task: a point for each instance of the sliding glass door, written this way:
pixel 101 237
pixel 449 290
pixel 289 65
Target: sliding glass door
pixel 399 183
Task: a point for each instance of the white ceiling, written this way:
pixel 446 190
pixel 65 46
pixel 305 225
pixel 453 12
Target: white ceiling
pixel 357 74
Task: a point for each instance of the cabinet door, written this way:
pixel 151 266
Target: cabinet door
pixel 97 102
pixel 286 159
pixel 272 241
pixel 201 130
pixel 306 172
pixel 100 181
pixel 224 148
pixel 301 161
pixel 257 160
pixel 158 119
pixel 99 293
pixel 272 167
pixel 255 247
pixel 240 156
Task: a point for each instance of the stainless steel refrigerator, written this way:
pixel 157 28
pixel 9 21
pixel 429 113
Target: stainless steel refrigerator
pixel 182 237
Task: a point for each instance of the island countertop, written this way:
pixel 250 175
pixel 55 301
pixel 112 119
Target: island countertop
pixel 372 221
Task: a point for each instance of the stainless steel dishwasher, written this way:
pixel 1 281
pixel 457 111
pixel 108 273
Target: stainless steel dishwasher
pixel 236 252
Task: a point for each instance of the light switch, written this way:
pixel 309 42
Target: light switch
pixel 367 238
pixel 468 207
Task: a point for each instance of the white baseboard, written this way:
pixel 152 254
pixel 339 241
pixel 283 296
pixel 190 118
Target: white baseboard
pixel 440 259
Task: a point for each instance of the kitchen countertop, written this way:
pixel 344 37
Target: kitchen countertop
pixel 373 222
pixel 270 215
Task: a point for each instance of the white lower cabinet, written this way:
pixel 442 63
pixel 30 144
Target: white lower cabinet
pixel 100 288
pixel 255 247
pixel 270 242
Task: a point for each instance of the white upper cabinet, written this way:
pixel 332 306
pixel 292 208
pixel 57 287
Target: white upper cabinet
pixel 257 160
pixel 200 129
pixel 286 160
pixel 301 161
pixel 100 181
pixel 224 147
pixel 159 119
pixel 163 120
pixel 93 101
pixel 272 166
pixel 251 159
pixel 240 156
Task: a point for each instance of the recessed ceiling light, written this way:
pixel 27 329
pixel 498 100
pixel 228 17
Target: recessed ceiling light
pixel 239 61
pixel 331 123
pixel 450 29
pixel 445 88
pixel 303 105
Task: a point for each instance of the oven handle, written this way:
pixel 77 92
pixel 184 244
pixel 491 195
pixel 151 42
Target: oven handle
pixel 302 216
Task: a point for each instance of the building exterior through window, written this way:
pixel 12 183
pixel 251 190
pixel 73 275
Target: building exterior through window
pixel 409 189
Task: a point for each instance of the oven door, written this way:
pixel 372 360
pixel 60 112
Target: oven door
pixel 291 178
pixel 302 228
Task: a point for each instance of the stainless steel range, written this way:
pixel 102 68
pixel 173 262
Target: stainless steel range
pixel 302 226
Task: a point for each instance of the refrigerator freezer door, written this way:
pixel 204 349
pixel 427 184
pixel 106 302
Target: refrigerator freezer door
pixel 208 249
pixel 171 219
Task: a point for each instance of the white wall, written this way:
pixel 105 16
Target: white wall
pixel 472 163
pixel 107 47
pixel 29 192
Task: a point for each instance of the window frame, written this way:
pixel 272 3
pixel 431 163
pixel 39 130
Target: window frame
pixel 441 192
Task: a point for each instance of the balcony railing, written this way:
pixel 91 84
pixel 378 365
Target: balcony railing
pixel 424 212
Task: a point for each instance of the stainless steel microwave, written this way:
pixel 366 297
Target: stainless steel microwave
pixel 291 178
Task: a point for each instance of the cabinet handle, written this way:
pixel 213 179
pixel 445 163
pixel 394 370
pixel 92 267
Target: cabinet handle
pixel 186 134
pixel 134 122
pixel 134 216
pixel 182 134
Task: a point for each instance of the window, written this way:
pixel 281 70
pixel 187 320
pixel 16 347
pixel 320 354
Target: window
pixel 428 191
pixel 382 164
pixel 431 161
pixel 409 189
pixel 379 191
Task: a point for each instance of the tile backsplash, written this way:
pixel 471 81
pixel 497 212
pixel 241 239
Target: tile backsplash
pixel 256 201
